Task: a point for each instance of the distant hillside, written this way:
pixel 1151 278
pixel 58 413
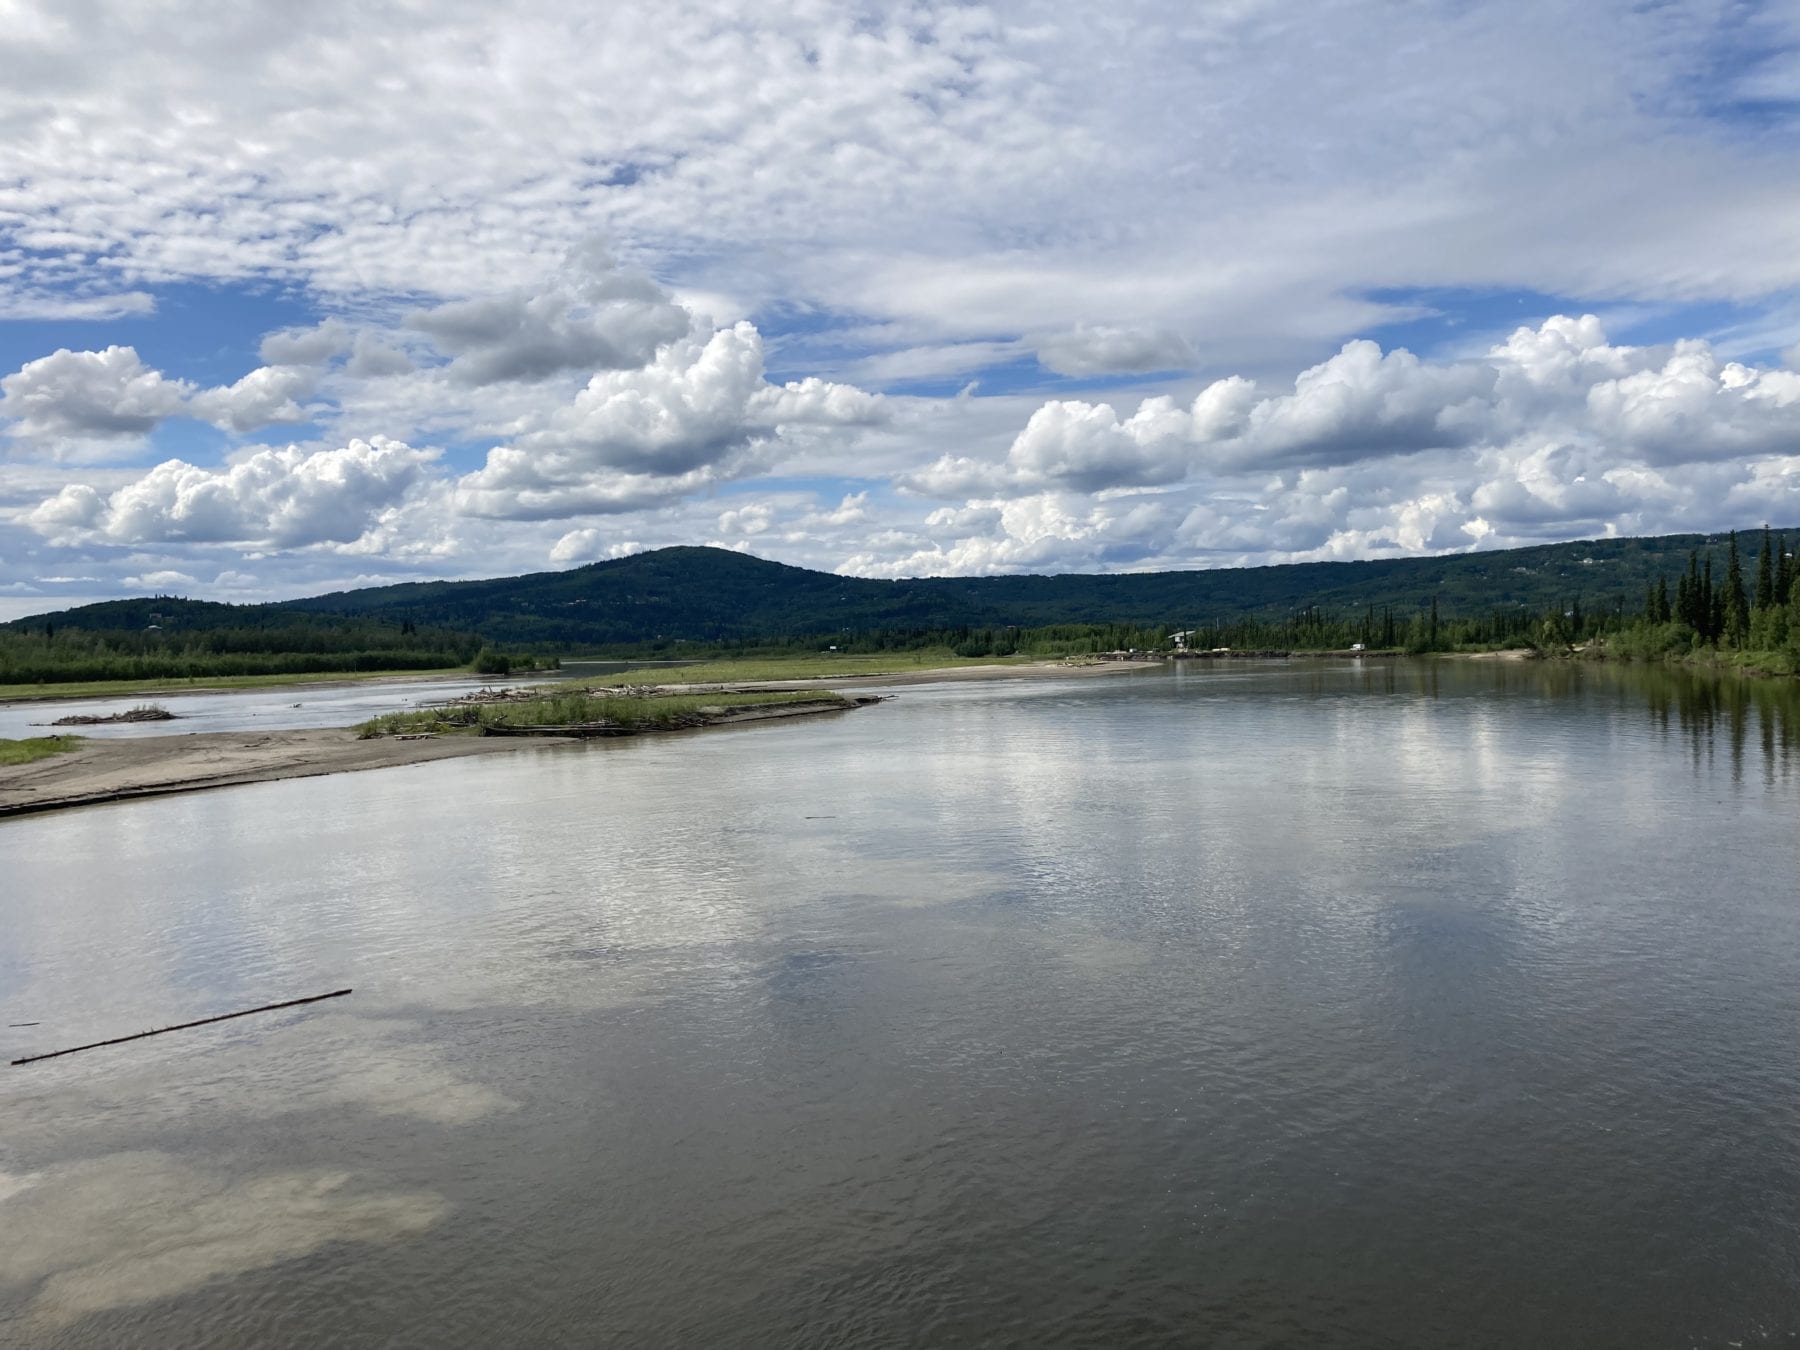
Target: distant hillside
pixel 709 594
pixel 705 594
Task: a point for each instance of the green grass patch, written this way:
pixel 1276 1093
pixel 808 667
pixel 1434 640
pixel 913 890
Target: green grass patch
pixel 198 684
pixel 34 748
pixel 579 708
pixel 819 666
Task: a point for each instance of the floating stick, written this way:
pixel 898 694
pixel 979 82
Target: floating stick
pixel 183 1026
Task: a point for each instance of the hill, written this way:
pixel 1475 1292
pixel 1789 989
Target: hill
pixel 706 594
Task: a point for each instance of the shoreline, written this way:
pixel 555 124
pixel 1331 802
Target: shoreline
pixel 128 769
pixel 132 768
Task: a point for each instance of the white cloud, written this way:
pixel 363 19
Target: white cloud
pixel 159 581
pixel 1561 382
pixel 262 398
pixel 38 304
pixel 71 403
pixel 1104 350
pixel 900 196
pixel 288 498
pixel 699 413
pixel 596 318
pixel 76 398
pixel 312 346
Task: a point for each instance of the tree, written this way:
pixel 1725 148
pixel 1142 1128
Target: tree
pixel 1692 600
pixel 1765 572
pixel 1735 625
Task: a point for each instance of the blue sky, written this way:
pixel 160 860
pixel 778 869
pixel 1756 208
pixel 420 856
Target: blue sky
pixel 294 301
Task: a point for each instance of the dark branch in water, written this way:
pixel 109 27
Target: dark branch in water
pixel 183 1026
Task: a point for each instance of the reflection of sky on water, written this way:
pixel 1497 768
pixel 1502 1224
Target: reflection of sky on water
pixel 1241 971
pixel 295 708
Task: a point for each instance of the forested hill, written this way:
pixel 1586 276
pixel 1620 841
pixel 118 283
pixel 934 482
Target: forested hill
pixel 709 594
pixel 712 594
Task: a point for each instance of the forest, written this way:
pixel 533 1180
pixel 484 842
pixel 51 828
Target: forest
pixel 165 637
pixel 1677 596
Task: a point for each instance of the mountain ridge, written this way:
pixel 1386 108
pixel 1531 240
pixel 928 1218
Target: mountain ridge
pixel 700 594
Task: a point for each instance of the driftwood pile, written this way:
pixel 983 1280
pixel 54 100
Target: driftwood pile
pixel 146 713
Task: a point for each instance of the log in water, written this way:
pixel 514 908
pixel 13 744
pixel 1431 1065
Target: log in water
pixel 183 1026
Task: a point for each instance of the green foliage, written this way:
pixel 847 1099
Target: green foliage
pixel 700 602
pixel 658 603
pixel 165 638
pixel 34 748
pixel 581 707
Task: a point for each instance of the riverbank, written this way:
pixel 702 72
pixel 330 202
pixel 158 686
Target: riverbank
pixel 101 771
pixel 154 766
pixel 106 770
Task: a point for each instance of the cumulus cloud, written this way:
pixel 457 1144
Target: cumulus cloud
pixel 596 318
pixel 691 417
pixel 1561 383
pixel 262 398
pixel 81 397
pixel 286 498
pixel 70 402
pixel 1554 432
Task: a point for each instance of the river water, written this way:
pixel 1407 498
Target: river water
pixel 294 708
pixel 1363 1004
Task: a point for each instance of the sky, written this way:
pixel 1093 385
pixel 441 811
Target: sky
pixel 300 298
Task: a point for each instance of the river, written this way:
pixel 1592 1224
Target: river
pixel 1328 1004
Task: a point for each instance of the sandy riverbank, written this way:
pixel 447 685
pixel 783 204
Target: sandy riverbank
pixel 152 766
pixel 112 770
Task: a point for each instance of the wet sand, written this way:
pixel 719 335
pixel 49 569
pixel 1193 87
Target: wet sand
pixel 152 766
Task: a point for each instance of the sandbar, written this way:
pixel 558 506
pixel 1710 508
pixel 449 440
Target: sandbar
pixel 117 769
pixel 125 768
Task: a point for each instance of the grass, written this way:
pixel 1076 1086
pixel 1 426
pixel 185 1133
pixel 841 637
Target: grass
pixel 198 683
pixel 817 666
pixel 34 748
pixel 578 708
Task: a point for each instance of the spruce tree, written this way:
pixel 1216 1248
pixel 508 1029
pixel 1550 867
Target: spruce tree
pixel 1765 572
pixel 1736 618
pixel 1784 572
pixel 1662 600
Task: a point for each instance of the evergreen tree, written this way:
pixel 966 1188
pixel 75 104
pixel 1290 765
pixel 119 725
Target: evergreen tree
pixel 1693 600
pixel 1735 625
pixel 1765 572
pixel 1662 600
pixel 1784 572
pixel 1434 623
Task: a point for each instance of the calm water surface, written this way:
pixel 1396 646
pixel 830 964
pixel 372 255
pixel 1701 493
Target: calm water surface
pixel 1439 1004
pixel 294 708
